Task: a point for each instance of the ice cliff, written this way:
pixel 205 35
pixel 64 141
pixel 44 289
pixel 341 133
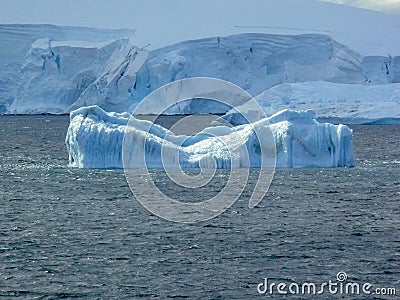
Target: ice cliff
pixel 51 69
pixel 44 68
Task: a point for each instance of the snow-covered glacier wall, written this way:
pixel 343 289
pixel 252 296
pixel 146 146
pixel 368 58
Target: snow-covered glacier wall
pixel 44 68
pixel 95 140
pixel 255 62
pixel 56 73
pixel 52 69
pixel 349 103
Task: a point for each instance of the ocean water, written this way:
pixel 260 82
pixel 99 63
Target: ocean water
pixel 72 233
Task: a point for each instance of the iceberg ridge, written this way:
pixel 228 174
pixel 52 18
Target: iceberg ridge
pixel 95 139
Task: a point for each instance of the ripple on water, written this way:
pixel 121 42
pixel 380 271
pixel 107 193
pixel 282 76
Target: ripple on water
pixel 72 233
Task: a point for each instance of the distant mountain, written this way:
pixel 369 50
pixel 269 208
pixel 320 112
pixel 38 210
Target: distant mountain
pixel 163 23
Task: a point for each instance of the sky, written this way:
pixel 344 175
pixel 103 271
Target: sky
pixel 390 6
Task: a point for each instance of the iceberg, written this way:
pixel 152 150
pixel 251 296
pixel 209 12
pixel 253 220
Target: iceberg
pixel 288 139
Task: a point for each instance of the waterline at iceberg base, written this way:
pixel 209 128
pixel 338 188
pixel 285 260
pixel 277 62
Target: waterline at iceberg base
pixel 95 140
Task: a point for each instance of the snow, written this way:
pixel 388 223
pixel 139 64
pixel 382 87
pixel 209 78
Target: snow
pixel 17 39
pixel 54 74
pixel 60 76
pixel 254 44
pixel 95 139
pixel 355 103
pixel 163 23
pixel 366 32
pixel 33 80
pixel 254 62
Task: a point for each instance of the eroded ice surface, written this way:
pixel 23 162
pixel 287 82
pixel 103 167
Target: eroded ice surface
pixel 95 138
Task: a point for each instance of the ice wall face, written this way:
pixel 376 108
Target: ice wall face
pixel 112 88
pixel 254 62
pixel 303 142
pixel 381 69
pixel 51 69
pixel 94 140
pixel 56 73
pixel 43 68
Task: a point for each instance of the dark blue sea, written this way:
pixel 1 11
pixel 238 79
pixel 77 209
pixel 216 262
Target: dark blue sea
pixel 69 233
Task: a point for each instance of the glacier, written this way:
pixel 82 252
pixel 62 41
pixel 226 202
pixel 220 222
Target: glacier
pixel 337 102
pixel 44 68
pixel 290 139
pixel 53 69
